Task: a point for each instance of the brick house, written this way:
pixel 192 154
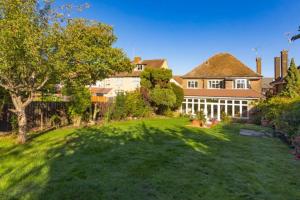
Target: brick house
pixel 222 84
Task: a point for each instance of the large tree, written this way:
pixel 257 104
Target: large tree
pixel 38 46
pixel 292 86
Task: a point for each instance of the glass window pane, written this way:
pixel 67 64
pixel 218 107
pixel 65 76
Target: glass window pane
pixel 183 107
pixel 236 111
pixel 245 111
pixel 229 110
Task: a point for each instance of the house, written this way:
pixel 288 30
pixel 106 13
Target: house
pixel 222 84
pixel 267 89
pixel 280 71
pixel 124 82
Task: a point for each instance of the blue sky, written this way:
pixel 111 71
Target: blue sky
pixel 188 32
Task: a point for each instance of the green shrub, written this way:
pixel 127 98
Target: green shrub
pixel 178 91
pixel 136 106
pixel 282 112
pixel 226 118
pixel 119 110
pixel 200 116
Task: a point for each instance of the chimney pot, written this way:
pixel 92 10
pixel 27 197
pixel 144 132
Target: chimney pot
pixel 258 65
pixel 277 61
pixel 284 63
pixel 137 60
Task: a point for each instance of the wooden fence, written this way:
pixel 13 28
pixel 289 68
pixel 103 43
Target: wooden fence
pixel 40 115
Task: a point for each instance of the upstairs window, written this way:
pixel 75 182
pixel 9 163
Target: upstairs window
pixel 139 67
pixel 241 84
pixel 192 84
pixel 215 84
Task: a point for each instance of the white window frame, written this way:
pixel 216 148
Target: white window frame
pixel 239 81
pixel 214 82
pixel 195 86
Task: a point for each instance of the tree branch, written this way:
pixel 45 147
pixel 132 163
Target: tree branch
pixel 42 84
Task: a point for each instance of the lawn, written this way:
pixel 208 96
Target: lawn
pixel 150 159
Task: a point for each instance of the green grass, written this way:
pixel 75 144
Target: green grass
pixel 151 159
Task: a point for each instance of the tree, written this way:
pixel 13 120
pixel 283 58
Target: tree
pixel 292 86
pixel 156 82
pixel 38 46
pixel 297 36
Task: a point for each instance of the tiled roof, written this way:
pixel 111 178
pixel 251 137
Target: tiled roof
pixel 237 93
pixel 178 79
pixel 221 65
pixel 266 82
pixel 100 90
pixel 155 63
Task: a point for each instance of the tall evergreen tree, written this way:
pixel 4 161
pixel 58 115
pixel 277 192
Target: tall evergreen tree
pixel 292 87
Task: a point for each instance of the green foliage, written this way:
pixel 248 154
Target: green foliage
pixel 41 46
pixel 55 120
pixel 162 98
pixel 292 87
pixel 158 89
pixel 80 101
pixel 136 106
pixel 178 91
pixel 200 116
pixel 226 118
pixel 153 77
pixel 282 112
pixel 119 110
pixel 130 105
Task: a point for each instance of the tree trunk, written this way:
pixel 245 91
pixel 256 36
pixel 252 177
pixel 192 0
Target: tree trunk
pixel 22 122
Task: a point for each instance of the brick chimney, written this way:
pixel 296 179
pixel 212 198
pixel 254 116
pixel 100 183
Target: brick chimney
pixel 258 65
pixel 284 63
pixel 277 67
pixel 137 60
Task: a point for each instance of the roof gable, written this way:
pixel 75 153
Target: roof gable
pixel 221 65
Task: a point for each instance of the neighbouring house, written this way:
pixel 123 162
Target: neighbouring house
pixel 267 89
pixel 124 82
pixel 177 80
pixel 280 71
pixel 222 84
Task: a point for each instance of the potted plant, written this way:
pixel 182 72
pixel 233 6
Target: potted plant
pixel 199 119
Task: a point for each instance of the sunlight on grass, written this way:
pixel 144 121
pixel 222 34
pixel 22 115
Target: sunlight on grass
pixel 148 159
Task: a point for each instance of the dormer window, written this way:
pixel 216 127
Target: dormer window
pixel 139 67
pixel 192 84
pixel 241 84
pixel 215 84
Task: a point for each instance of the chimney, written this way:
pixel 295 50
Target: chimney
pixel 137 60
pixel 277 67
pixel 258 65
pixel 284 63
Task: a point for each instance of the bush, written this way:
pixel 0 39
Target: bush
pixel 119 110
pixel 178 91
pixel 136 106
pixel 283 113
pixel 201 116
pixel 130 105
pixel 226 118
pixel 163 99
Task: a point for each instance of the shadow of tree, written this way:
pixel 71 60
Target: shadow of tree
pixel 142 161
